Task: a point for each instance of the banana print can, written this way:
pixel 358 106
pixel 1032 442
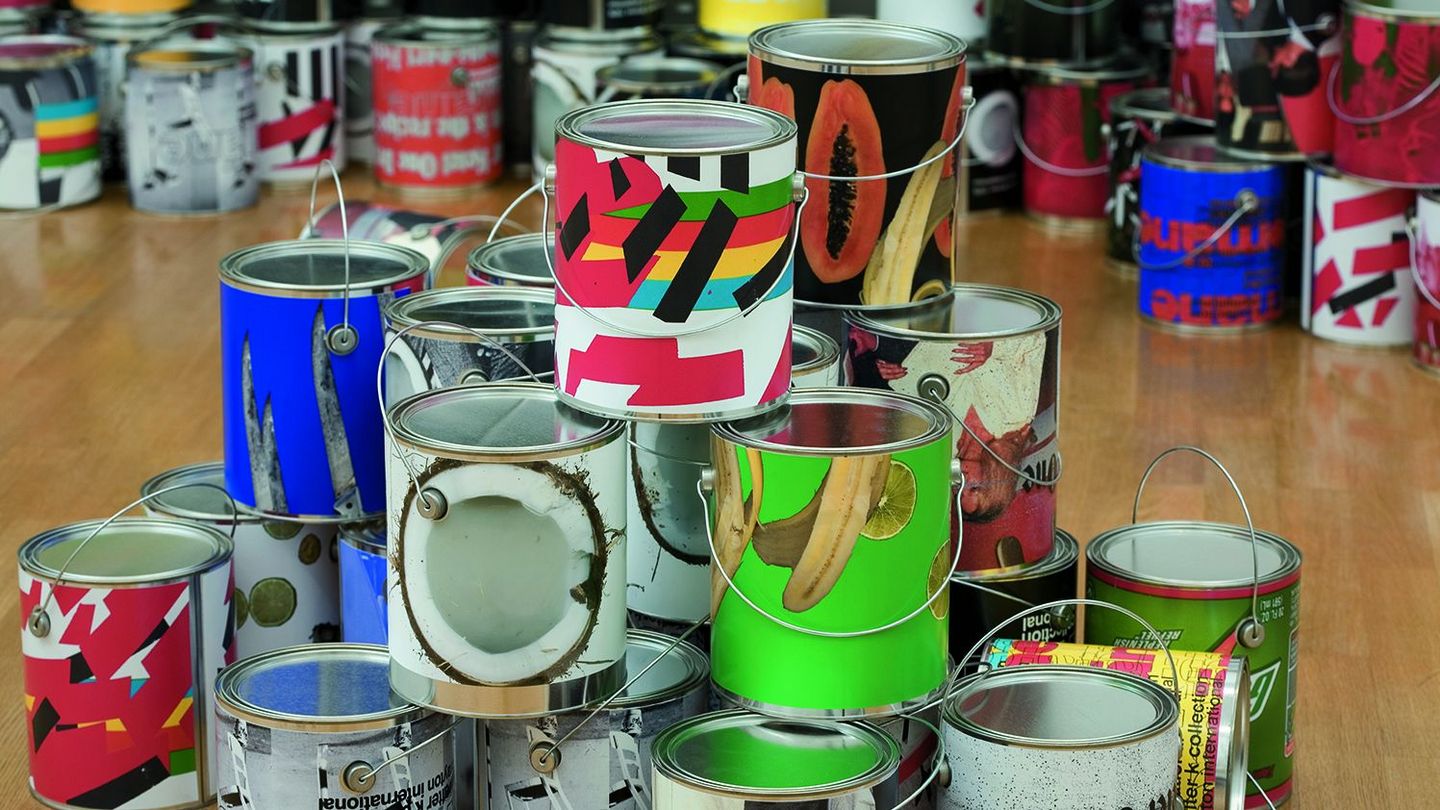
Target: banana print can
pixel 831 518
pixel 1194 582
pixel 507 551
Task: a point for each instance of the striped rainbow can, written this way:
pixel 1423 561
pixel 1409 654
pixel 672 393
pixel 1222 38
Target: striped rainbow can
pixel 49 103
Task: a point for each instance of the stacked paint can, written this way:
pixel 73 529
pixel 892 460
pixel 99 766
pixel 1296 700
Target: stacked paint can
pixel 49 100
pixel 300 90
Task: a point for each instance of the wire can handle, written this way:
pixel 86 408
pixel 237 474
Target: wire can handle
pixel 359 777
pixel 1412 232
pixel 342 338
pixel 1361 121
pixel 1251 632
pixel 1063 171
pixel 38 623
pixel 936 388
pixel 937 763
pixel 1246 202
pixel 967 104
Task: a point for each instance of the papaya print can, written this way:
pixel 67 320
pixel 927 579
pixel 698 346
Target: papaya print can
pixel 1137 119
pixel 739 18
pixel 1214 707
pixel 1357 286
pixel 1384 92
pixel 1194 582
pixel 511 261
pixel 299 93
pixel 1058 32
pixel 113 35
pixel 1192 69
pixel 1212 238
pixel 527 617
pixel 1063 139
pixel 49 107
pixel 991 357
pixel 672 258
pixel 363 602
pixel 121 646
pixel 286 580
pixel 830 518
pixel 981 601
pixel 1427 276
pixel 990 163
pixel 889 122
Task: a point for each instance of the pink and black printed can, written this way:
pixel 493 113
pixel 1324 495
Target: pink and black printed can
pixel 1192 63
pixel 1427 276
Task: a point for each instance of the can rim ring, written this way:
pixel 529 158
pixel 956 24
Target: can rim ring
pixel 827 351
pixel 1049 314
pixel 608 431
pixel 400 312
pixel 30 560
pixel 951 54
pixel 782 129
pixel 939 422
pixel 77 48
pixel 688 654
pixel 396 34
pixel 411 264
pixel 1066 554
pixel 231 54
pixel 481 263
pixel 1290 556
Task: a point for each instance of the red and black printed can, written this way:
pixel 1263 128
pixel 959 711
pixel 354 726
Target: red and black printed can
pixel 437 104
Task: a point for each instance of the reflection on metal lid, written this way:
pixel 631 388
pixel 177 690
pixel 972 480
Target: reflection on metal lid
pixel 321 684
pixel 1060 707
pixel 519 259
pixel 653 126
pixel 498 419
pixel 193 502
pixel 680 671
pixel 841 421
pixel 318 265
pixel 1192 554
pixel 489 310
pixel 852 45
pixel 1199 152
pixel 969 312
pixel 128 551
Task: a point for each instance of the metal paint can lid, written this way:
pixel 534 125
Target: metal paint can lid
pixel 130 551
pixel 1064 707
pixel 841 422
pixel 597 43
pixel 680 671
pixel 676 127
pixel 657 75
pixel 1065 554
pixel 184 56
pixel 1192 554
pixel 203 503
pixel 498 421
pixel 41 51
pixel 969 312
pixel 1199 153
pixel 750 756
pixel 303 267
pixel 1147 104
pixel 125 27
pixel 437 32
pixel 516 314
pixel 811 351
pixel 520 259
pixel 857 46
pixel 315 688
pixel 367 535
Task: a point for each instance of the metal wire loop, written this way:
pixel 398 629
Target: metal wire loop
pixel 969 104
pixel 504 215
pixel 1246 202
pixel 359 777
pixel 1360 121
pixel 1069 11
pixel 1263 795
pixel 342 339
pixel 936 393
pixel 941 752
pixel 1063 171
pixel 714 86
pixel 1412 231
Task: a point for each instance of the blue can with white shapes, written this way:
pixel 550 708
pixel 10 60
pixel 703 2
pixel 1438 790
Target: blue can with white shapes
pixel 1212 238
pixel 299 352
pixel 362 583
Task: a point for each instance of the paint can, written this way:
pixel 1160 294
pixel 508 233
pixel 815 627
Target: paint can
pixel 190 133
pixel 981 601
pixel 299 93
pixel 815 360
pixel 1215 587
pixel 1212 238
pixel 728 53
pixel 299 353
pixel 359 93
pixel 132 8
pixel 602 15
pixel 431 235
pixel 1427 277
pixel 112 36
pixel 1271 63
pixel 817 617
pixel 49 103
pixel 1357 286
pixel 1383 93
pixel 700 639
pixel 918 736
pixel 20 19
pixel 733 760
pixel 1054 32
pixel 656 77
pixel 511 261
pixel 481 625
pixel 363 559
pixel 891 123
pixel 317 726
pixel 1062 137
pixel 741 18
pixel 517 96
pixel 286 581
pixel 606 756
pixel 1005 728
pixel 673 246
pixel 1137 119
pixel 990 163
pixel 145 604
pixel 1192 68
pixel 990 356
pixel 964 20
pixel 437 105
pixel 505 333
pixel 566 63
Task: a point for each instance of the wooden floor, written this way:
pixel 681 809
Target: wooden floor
pixel 109 373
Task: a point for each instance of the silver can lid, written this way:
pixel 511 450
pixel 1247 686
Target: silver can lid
pixel 1192 554
pixel 130 551
pixel 841 422
pixel 658 75
pixel 857 46
pixel 41 51
pixel 519 259
pixel 203 503
pixel 811 351
pixel 676 127
pixel 680 671
pixel 185 56
pixel 513 313
pixel 1044 706
pixel 315 687
pixel 969 312
pixel 308 267
pixel 424 32
pixel 1199 153
pixel 1148 103
pixel 743 755
pixel 498 421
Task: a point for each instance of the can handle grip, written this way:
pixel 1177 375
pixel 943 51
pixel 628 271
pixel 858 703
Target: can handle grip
pixel 341 339
pixel 359 778
pixel 1063 171
pixel 1263 795
pixel 714 86
pixel 967 104
pixel 934 388
pixel 1246 202
pixel 1360 121
pixel 941 758
pixel 742 89
pixel 38 622
pixel 1251 633
pixel 1412 232
pixel 707 482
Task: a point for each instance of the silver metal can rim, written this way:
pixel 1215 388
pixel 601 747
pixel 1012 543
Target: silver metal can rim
pixel 887 760
pixel 703 73
pixel 777 711
pixel 589 40
pixel 1290 556
pixel 675 417
pixel 937 415
pixel 399 34
pixel 411 263
pixel 287 30
pixel 1065 554
pixel 827 351
pixel 1358 8
pixel 179 475
pixel 782 129
pixel 697 665
pixel 228 682
pixel 1047 311
pixel 1222 163
pixel 399 313
pixel 1166 720
pixel 77 49
pixel 1125 105
pixel 480 263
pixel 1091 74
pixel 233 53
pixel 950 50
pixel 1233 737
pixel 124 27
pixel 29 552
pixel 608 432
pixel 359 534
pixel 1260 156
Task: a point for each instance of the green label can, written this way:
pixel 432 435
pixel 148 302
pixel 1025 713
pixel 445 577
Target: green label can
pixel 1200 586
pixel 831 544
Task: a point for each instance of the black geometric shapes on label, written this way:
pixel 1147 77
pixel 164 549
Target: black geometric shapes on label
pixel 699 265
pixel 640 246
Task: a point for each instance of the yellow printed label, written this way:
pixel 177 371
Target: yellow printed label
pixel 739 18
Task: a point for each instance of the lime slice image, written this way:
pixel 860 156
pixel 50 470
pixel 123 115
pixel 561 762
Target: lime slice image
pixel 939 574
pixel 892 514
pixel 272 602
pixel 310 549
pixel 242 609
pixel 281 529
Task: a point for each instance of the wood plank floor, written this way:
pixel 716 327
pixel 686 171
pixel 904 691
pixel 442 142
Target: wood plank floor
pixel 109 373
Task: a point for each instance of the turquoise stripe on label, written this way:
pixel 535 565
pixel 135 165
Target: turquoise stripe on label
pixel 717 295
pixel 67 109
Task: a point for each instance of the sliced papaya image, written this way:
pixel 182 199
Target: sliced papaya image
pixel 773 94
pixel 943 234
pixel 842 221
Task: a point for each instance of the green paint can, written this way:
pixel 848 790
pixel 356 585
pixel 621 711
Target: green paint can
pixel 1211 587
pixel 831 555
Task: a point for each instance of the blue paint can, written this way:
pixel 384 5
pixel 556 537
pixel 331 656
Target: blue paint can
pixel 1212 238
pixel 300 349
pixel 362 583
